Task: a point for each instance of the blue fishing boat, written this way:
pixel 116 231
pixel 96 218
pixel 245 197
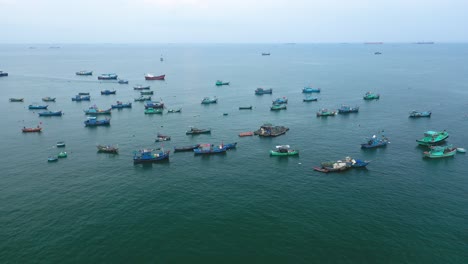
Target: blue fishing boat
pixel 108 92
pixel 93 121
pixel 120 105
pixel 376 141
pixel 356 163
pixel 344 109
pixel 196 131
pixel 80 98
pixel 50 113
pixel 84 73
pixel 230 145
pixel 121 81
pixel 208 100
pixel 34 107
pixel 94 110
pixel 310 90
pixel 420 114
pixel 150 156
pixel 280 100
pixel 206 149
pixel 154 104
pixel 108 76
pixel 260 91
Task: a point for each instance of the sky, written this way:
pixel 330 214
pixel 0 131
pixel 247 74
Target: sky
pixel 232 21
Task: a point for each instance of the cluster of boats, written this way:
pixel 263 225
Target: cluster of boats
pixel 113 76
pixel 341 165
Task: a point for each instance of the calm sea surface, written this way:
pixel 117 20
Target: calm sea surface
pixel 244 206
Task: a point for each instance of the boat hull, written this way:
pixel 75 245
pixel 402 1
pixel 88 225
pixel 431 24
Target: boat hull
pixel 155 78
pixel 186 148
pixel 289 153
pixel 451 153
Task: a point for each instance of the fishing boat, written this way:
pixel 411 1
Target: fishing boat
pixel 83 93
pixel 161 138
pixel 260 91
pixel 196 131
pixel 154 104
pixel 245 107
pixel 268 130
pixel 16 99
pixel 333 166
pixel 122 81
pixel 265 53
pixel 371 96
pixel 230 145
pixel 146 92
pixel 186 148
pixel 52 159
pixel 345 109
pixel 34 107
pixel 51 113
pixel 174 110
pixel 310 99
pixel 60 144
pixel 143 99
pixel 208 100
pixel 48 99
pixel 141 87
pixel 62 155
pixel 93 121
pixel 277 107
pixel 94 110
pixel 219 83
pixel 375 141
pixel 309 89
pixel 108 149
pixel 108 92
pixel 415 113
pixel 246 134
pixel 108 76
pixel 377 53
pixel 3 74
pixel 79 98
pixel 440 152
pixel 206 149
pixel 150 111
pixel 433 138
pixel 280 100
pixel 84 73
pixel 120 105
pixel 31 129
pixel 151 77
pixel 325 112
pixel 284 150
pixel 150 156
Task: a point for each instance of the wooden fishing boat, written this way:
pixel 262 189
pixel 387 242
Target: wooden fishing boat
pixel 310 99
pixel 260 91
pixel 207 149
pixel 345 109
pixel 245 107
pixel 325 112
pixel 186 148
pixel 108 92
pixel 284 150
pixel 108 76
pixel 121 81
pixel 108 149
pixel 309 89
pixel 436 152
pixel 31 129
pixel 48 99
pixel 246 134
pixel 277 107
pixel 376 141
pixel 208 100
pixel 161 138
pixel 120 105
pixel 50 113
pixel 219 83
pixel 433 138
pixel 151 77
pixel 34 107
pixel 79 98
pixel 174 110
pixel 150 111
pixel 93 121
pixel 94 110
pixel 141 87
pixel 143 99
pixel 84 73
pixel 416 114
pixel 150 156
pixel 268 130
pixel 146 92
pixel 16 99
pixel 196 131
pixel 371 96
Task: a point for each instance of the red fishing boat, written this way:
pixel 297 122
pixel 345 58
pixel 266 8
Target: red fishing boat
pixel 246 134
pixel 151 77
pixel 31 129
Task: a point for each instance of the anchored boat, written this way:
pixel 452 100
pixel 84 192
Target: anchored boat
pixel 433 138
pixel 440 152
pixel 150 156
pixel 284 150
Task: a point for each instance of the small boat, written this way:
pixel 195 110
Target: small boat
pixel 93 121
pixel 357 163
pixel 83 93
pixel 310 99
pixel 120 105
pixel 150 156
pixel 154 104
pixel 377 53
pixel 48 99
pixel 84 73
pixel 461 150
pixel 151 77
pixel 277 107
pixel 230 145
pixel 141 87
pixel 146 92
pixel 246 134
pixel 161 138
pixel 206 149
pixel 245 107
pixel 309 89
pixel 186 148
pixel 108 92
pixel 52 159
pixel 150 111
pixel 325 112
pixel 94 110
pixel 376 141
pixel 333 166
pixel 34 107
pixel 16 99
pixel 440 152
pixel 265 53
pixel 143 99
pixel 225 114
pixel 121 81
pixel 415 113
pixel 108 149
pixel 433 138
pixel 31 129
pixel 80 98
pixel 260 91
pixel 268 130
pixel 50 113
pixel 281 100
pixel 174 110
pixel 60 144
pixel 108 76
pixel 371 96
pixel 345 109
pixel 219 83
pixel 196 131
pixel 208 100
pixel 284 150
pixel 3 74
pixel 62 155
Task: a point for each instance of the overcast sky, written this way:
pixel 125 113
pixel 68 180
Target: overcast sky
pixel 232 21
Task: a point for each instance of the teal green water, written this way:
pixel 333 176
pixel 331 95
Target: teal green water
pixel 244 206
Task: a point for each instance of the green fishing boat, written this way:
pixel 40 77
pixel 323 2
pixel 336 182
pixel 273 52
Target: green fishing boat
pixel 433 138
pixel 62 154
pixel 440 152
pixel 284 150
pixel 277 107
pixel 371 96
pixel 150 111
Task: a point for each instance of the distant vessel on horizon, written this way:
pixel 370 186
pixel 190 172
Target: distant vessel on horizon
pixel 375 43
pixel 425 42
